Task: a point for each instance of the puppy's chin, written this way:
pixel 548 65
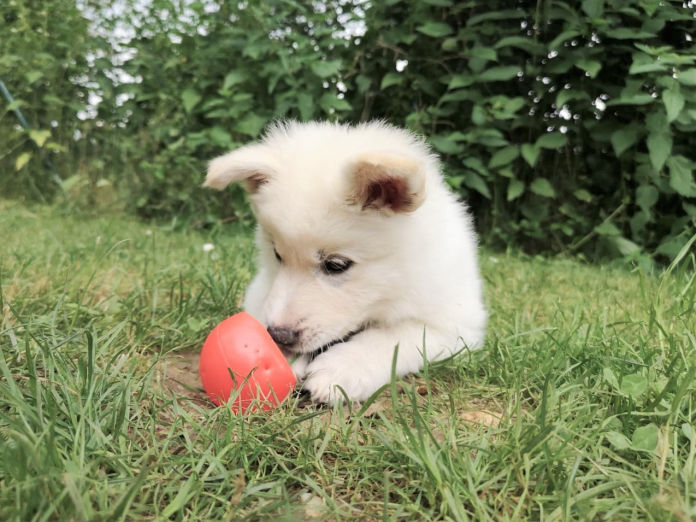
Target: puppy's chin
pixel 312 347
pixel 320 344
pixel 301 349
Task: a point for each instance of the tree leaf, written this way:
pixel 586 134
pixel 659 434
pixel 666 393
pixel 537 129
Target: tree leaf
pixel 681 177
pixel 650 6
pixel 534 211
pixel 583 195
pixel 39 136
pixel 455 181
pixel 627 33
pixel 552 140
pixel 190 99
pixel 446 144
pixel 675 247
pixel 504 156
pixel 499 73
pixel 220 137
pixel 484 53
pixel 478 115
pixel 391 78
pixel 460 80
pixel 503 14
pixel 566 95
pixel 646 197
pixel 636 98
pixel 643 63
pixel 55 147
pixel 486 136
pixel 476 164
pixel 233 78
pixel 624 138
pixel 591 67
pixel 250 125
pixel 593 8
pixel 659 139
pixel 562 37
pixel 32 76
pixel 306 105
pixel 674 103
pixel 607 229
pixel 515 189
pixel 363 82
pixel 687 77
pixel 22 160
pixel 530 153
pixel 625 247
pixel 638 222
pixel 520 42
pixel 476 182
pixel 330 101
pixel 505 108
pixel 645 438
pixel 326 68
pixel 542 187
pixel 450 45
pixel 435 29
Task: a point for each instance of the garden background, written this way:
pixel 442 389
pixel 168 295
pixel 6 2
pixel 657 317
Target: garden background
pixel 567 126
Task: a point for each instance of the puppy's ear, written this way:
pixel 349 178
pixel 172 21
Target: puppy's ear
pixel 245 165
pixel 386 182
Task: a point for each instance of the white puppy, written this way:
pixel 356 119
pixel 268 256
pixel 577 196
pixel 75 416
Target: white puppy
pixel 361 248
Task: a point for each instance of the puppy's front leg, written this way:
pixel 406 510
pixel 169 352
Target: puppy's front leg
pixel 363 364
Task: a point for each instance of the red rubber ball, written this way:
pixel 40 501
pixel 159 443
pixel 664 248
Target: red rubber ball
pixel 239 354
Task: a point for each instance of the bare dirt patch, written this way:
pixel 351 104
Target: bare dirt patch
pixel 177 373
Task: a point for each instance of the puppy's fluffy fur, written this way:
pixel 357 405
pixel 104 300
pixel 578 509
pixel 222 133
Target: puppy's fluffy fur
pixel 361 248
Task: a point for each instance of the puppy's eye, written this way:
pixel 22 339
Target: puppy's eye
pixel 277 255
pixel 334 265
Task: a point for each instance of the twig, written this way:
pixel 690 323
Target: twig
pixel 593 232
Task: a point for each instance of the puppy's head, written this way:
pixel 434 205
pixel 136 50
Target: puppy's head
pixel 335 205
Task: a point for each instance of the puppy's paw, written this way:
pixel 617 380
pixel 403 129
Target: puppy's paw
pixel 298 364
pixel 339 369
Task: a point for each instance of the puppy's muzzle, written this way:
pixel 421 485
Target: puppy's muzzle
pixel 285 337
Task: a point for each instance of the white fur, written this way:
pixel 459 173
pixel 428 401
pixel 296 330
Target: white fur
pixel 415 275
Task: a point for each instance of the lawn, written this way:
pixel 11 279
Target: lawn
pixel 580 406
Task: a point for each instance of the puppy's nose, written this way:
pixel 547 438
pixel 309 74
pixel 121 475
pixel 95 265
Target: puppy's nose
pixel 284 336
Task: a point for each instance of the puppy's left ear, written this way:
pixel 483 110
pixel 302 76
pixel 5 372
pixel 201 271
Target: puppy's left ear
pixel 386 182
pixel 246 164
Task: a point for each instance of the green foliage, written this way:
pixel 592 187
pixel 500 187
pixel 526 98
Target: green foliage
pixel 50 63
pixel 210 81
pixel 567 126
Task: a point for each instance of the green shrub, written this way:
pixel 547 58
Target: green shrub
pixel 562 122
pixel 48 61
pixel 567 126
pixel 210 81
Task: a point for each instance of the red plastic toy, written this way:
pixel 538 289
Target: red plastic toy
pixel 241 346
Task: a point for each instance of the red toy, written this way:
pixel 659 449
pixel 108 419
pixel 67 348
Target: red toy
pixel 241 346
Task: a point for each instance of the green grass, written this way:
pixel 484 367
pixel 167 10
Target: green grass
pixel 581 405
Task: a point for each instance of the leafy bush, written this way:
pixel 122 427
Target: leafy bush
pixel 50 63
pixel 566 125
pixel 210 81
pixel 562 123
